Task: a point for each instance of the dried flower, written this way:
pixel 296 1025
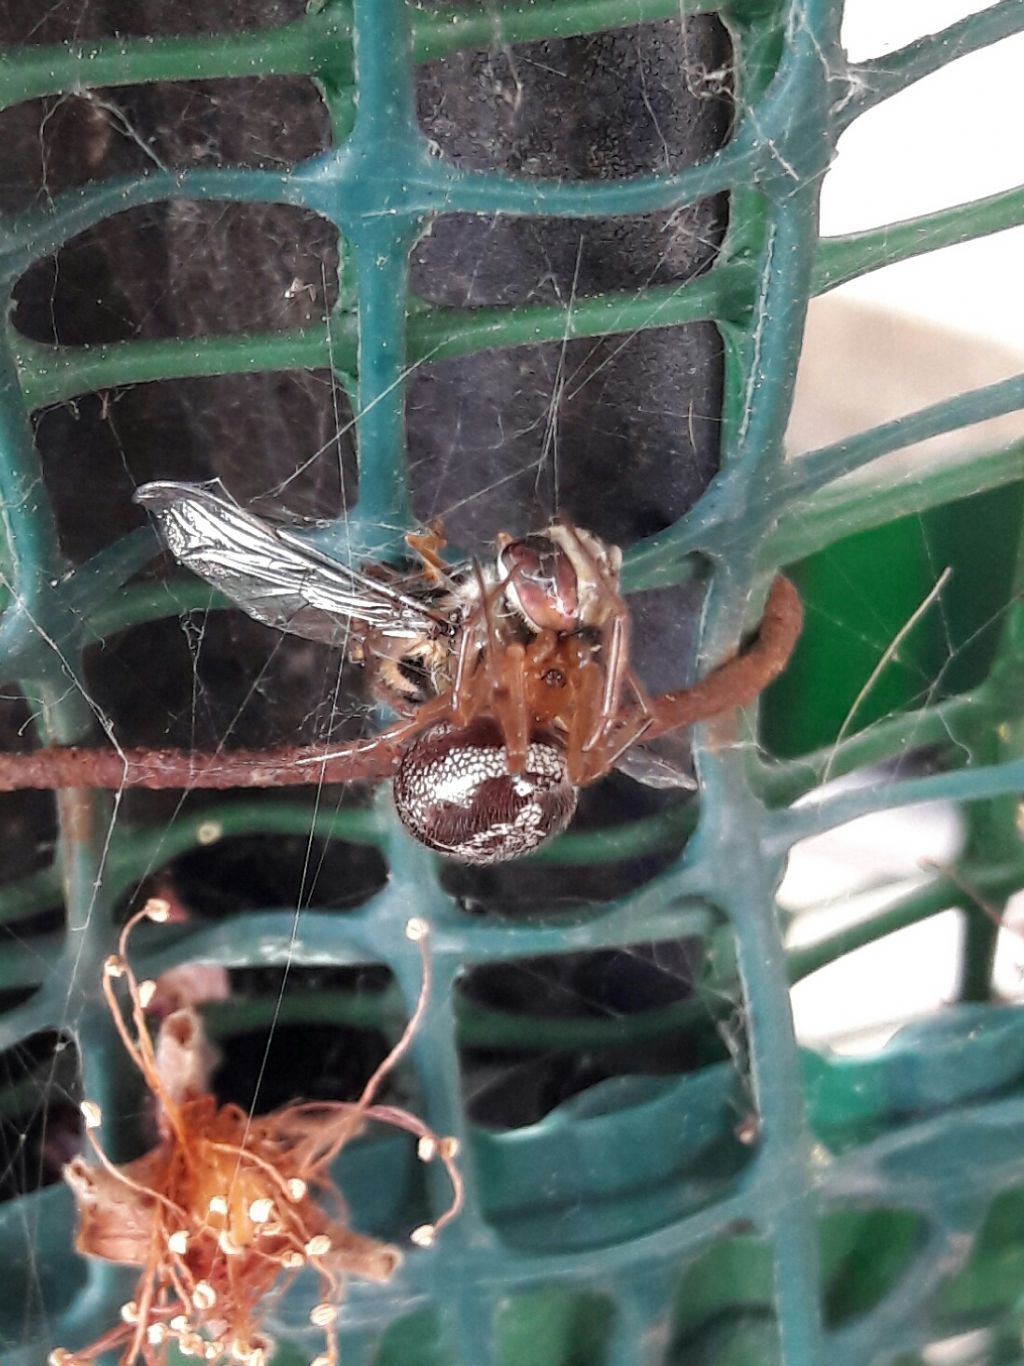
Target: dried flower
pixel 222 1212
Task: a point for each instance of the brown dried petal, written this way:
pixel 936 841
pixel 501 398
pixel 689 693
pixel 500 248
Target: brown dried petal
pixel 191 984
pixel 367 1258
pixel 115 1221
pixel 185 1058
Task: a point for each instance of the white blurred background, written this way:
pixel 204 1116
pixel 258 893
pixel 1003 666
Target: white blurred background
pixel 890 343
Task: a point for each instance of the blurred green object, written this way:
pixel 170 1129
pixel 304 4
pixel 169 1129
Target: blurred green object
pixel 860 593
pixel 834 1210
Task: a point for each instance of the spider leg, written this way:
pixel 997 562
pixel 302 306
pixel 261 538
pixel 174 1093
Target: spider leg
pixel 468 696
pixel 504 669
pixel 618 737
pixel 508 701
pixel 740 680
pixel 372 759
pixel 368 760
pixel 640 693
pixel 586 715
pixel 587 764
pixel 465 660
pixel 614 656
pixel 618 742
pixel 614 645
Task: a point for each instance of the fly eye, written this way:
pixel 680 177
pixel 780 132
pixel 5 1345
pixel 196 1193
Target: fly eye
pixel 542 583
pixel 454 793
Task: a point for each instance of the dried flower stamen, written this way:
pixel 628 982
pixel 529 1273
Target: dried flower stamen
pixel 203 1295
pixel 92 1115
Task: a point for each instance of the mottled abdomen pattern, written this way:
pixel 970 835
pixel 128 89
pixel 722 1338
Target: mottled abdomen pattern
pixel 454 793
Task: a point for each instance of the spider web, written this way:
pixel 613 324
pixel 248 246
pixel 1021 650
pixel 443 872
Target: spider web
pixel 558 1025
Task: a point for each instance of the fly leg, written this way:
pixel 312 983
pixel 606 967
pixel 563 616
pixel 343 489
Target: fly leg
pixel 427 546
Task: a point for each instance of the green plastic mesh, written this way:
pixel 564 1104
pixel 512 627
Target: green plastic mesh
pixel 875 1205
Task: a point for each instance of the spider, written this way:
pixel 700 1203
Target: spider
pixel 220 1216
pixel 511 678
pixel 543 700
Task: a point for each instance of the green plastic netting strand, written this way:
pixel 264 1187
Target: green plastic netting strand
pixel 881 1206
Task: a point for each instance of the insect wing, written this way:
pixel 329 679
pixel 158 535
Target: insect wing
pixel 665 763
pixel 272 574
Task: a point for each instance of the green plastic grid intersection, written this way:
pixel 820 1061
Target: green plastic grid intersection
pixel 379 186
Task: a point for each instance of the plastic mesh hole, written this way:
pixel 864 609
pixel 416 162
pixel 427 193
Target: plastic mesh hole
pixel 597 106
pixel 257 686
pixel 617 436
pixel 417 1337
pixel 865 1255
pixel 83 20
pixel 854 614
pixel 60 142
pixel 587 1057
pixel 229 875
pixel 311 1034
pixel 556 1327
pixel 280 441
pixel 652 822
pixel 183 269
pixel 40 1126
pixel 473 260
pixel 988 1285
pixel 723 1307
pixel 547 1029
pixel 742 1341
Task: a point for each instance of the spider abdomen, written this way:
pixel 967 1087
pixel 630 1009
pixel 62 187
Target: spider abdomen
pixel 455 794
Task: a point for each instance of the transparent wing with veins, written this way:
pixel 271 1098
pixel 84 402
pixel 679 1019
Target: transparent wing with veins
pixel 659 764
pixel 275 576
